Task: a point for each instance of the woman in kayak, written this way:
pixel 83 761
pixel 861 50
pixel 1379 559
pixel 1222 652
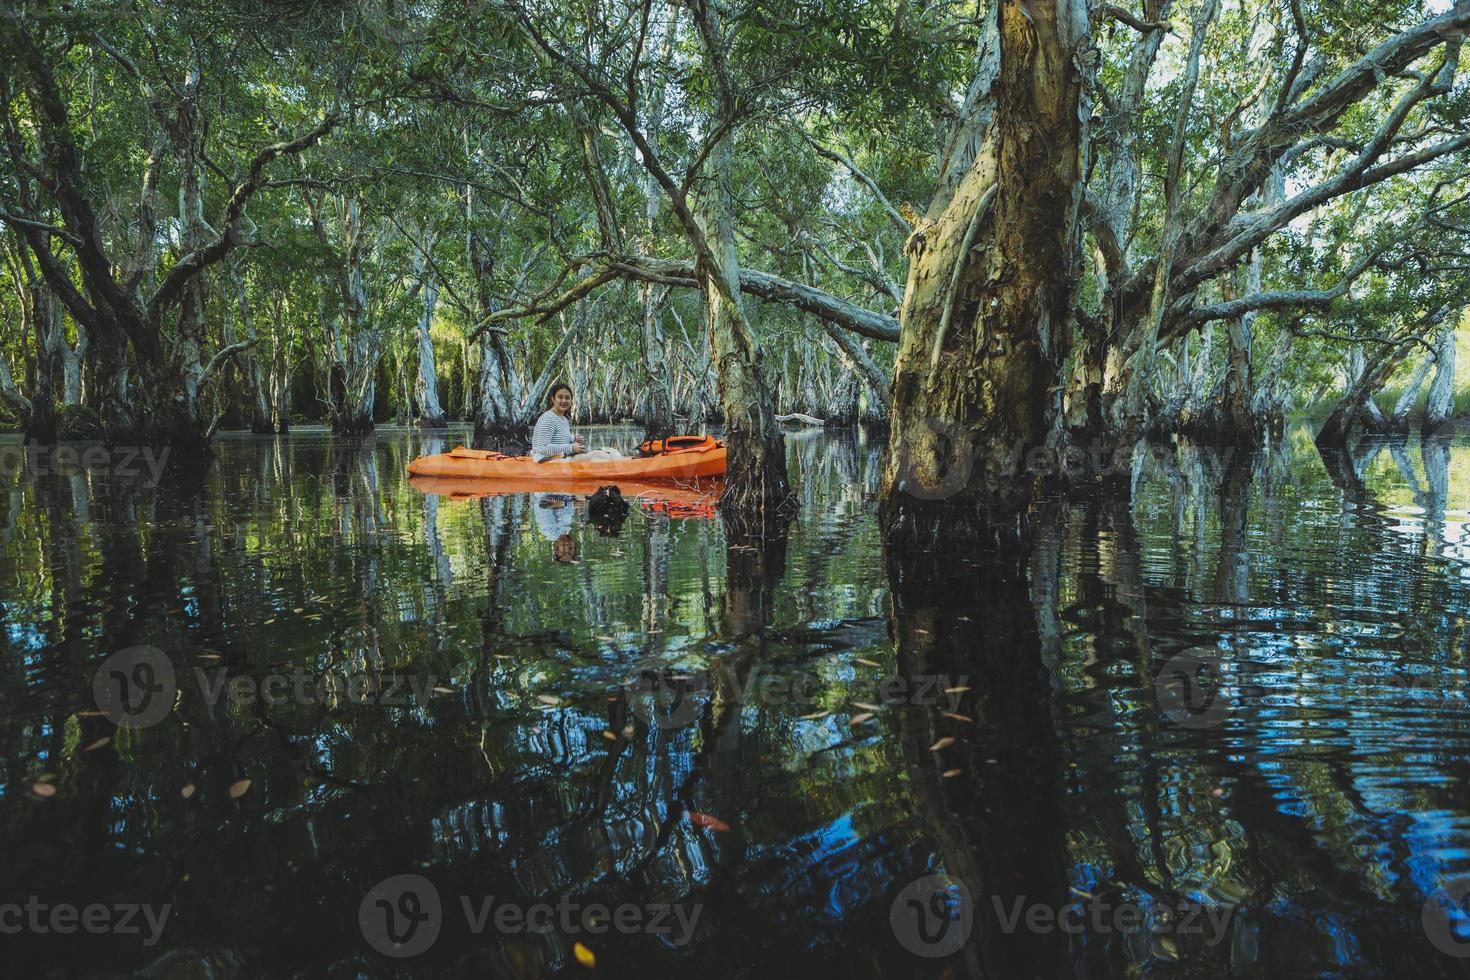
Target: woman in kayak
pixel 552 439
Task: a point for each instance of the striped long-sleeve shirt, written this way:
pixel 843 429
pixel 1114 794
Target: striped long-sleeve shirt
pixel 552 436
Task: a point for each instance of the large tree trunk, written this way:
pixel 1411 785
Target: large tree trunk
pixel 991 280
pixel 1398 420
pixel 1127 404
pixel 1440 405
pixel 756 484
pixel 658 404
pixel 354 376
pixel 426 380
pixel 1111 217
pixel 257 391
pixel 495 411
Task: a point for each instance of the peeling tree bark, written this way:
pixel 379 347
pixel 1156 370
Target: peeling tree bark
pixel 756 484
pixel 990 285
pixel 426 380
pixel 1439 407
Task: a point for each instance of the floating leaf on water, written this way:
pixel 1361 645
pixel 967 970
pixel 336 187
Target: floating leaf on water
pixel 211 655
pixel 90 714
pixel 867 707
pixel 866 662
pixel 925 632
pixel 1169 947
pixel 607 639
pixel 629 731
pixel 705 820
pixel 609 734
pixel 43 789
pixel 239 789
pixel 548 699
pixel 942 743
pixel 187 791
pixel 950 773
pixel 441 689
pixel 957 717
pixel 859 719
pixel 1218 791
pixel 584 955
pixel 816 715
pixel 105 739
pixel 298 610
pixel 956 690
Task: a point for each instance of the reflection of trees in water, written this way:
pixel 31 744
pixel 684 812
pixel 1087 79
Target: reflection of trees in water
pixel 967 616
pixel 1144 812
pixel 1070 775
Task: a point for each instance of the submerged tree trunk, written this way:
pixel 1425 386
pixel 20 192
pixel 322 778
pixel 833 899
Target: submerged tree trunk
pixel 1440 405
pixel 658 405
pixel 430 413
pixel 1365 376
pixel 991 280
pixel 494 408
pixel 257 384
pixel 756 483
pixel 354 374
pixel 1398 420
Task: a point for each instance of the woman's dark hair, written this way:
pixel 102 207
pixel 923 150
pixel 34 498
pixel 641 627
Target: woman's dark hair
pixel 551 395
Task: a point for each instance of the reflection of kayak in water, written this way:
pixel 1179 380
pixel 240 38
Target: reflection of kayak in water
pixel 695 500
pixel 686 458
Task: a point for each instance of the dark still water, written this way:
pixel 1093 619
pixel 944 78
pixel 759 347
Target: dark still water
pixel 371 731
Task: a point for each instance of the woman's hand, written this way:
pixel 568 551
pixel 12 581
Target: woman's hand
pixel 577 447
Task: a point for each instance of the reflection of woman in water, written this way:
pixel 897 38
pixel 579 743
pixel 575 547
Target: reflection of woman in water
pixel 564 549
pixel 554 514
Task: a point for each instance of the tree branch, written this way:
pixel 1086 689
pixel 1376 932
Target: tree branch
pixel 200 259
pixel 894 218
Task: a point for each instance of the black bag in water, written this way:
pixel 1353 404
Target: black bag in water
pixel 606 510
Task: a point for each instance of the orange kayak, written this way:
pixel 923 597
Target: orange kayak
pixel 663 498
pixel 704 459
